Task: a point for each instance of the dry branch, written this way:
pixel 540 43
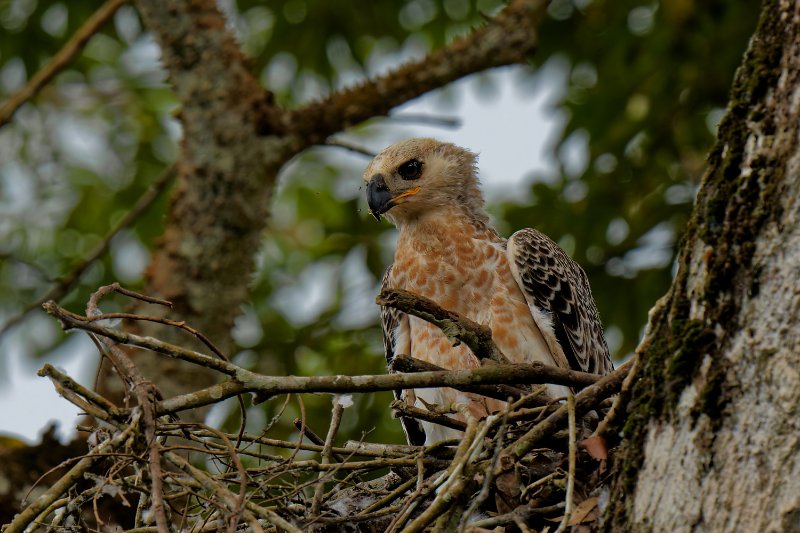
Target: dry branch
pixel 64 57
pixel 404 363
pixel 457 328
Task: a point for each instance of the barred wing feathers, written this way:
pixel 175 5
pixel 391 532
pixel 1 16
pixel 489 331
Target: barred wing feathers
pixel 557 286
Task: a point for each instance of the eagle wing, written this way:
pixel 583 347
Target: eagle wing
pixel 397 340
pixel 557 286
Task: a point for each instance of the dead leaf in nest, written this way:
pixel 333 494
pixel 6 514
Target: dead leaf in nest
pixel 596 447
pixel 508 484
pixel 584 512
pixel 508 491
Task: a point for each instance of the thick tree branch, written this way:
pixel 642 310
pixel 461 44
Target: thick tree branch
pixel 246 381
pixel 508 38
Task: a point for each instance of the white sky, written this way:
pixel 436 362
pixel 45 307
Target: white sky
pixel 510 129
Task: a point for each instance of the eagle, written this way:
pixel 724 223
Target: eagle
pixel 532 295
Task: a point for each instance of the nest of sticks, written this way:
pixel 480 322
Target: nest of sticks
pixel 538 465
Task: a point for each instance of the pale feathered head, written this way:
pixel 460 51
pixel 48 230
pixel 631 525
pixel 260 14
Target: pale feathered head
pixel 416 177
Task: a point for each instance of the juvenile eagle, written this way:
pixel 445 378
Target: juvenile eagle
pixel 535 298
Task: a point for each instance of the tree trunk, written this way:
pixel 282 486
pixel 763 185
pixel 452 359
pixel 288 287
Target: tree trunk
pixel 713 440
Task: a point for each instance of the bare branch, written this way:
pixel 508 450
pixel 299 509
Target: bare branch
pixel 401 408
pixel 247 381
pixel 404 363
pixel 71 320
pixel 64 57
pixel 145 393
pixel 333 428
pixel 573 450
pixel 336 143
pixel 68 383
pixel 457 328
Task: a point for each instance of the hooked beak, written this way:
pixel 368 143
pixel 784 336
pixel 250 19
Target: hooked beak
pixel 380 198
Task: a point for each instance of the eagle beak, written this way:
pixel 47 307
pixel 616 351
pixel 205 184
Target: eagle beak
pixel 380 198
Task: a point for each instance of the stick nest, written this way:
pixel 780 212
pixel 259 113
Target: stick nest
pixel 537 465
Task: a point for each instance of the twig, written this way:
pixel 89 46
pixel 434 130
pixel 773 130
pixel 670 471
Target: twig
pixel 389 498
pixel 230 500
pixel 350 147
pixel 146 393
pixel 401 408
pixel 336 419
pixel 358 448
pixel 360 517
pixel 454 479
pixel 236 460
pixel 607 428
pixel 571 472
pixel 315 439
pixel 68 280
pixel 67 382
pixel 432 120
pixel 489 475
pixel 384 450
pixel 76 399
pixel 457 328
pixel 524 513
pixel 71 320
pixel 161 320
pixel 64 56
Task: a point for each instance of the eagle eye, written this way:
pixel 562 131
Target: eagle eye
pixel 410 170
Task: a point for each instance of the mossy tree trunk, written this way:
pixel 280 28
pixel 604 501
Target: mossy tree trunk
pixel 713 440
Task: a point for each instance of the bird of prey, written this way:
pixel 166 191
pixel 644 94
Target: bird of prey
pixel 535 298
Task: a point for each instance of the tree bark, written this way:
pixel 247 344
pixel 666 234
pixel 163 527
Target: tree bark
pixel 713 438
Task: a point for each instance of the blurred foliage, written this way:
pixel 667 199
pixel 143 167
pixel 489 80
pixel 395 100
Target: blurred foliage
pixel 645 85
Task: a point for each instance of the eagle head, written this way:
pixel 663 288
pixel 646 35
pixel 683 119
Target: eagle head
pixel 417 177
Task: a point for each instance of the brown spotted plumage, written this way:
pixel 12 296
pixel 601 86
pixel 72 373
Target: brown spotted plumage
pixel 534 297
